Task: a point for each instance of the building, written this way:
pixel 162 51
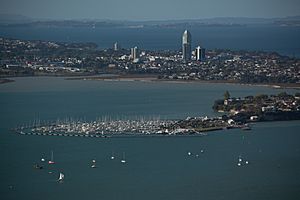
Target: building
pixel 134 53
pixel 116 46
pixel 200 54
pixel 186 46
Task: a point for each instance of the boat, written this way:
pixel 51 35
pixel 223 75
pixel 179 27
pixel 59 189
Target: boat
pixel 37 166
pixel 123 159
pixel 52 160
pixel 112 156
pixel 61 177
pixel 93 164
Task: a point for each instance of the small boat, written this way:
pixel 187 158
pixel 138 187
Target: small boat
pixel 93 164
pixel 123 159
pixel 112 156
pixel 37 166
pixel 52 160
pixel 61 177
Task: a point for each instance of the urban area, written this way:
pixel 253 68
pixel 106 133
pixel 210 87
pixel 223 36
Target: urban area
pixel 45 58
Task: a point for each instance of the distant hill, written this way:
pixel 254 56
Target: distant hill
pixel 19 20
pixel 11 18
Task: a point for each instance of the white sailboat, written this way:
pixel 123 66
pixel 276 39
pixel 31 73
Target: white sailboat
pixel 123 159
pixel 52 160
pixel 112 156
pixel 61 177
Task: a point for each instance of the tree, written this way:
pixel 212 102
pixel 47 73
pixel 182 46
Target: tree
pixel 226 95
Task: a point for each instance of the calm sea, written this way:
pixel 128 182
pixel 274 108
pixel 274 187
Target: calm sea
pixel 284 40
pixel 157 167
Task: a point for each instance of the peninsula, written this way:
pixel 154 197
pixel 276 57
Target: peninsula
pixel 237 113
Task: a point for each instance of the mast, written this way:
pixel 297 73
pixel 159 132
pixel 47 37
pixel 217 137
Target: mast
pixel 51 161
pixel 123 159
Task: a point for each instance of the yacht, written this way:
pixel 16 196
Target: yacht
pixel 123 159
pixel 61 177
pixel 112 156
pixel 52 160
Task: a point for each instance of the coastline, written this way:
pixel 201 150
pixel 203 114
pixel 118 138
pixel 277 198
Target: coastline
pixel 154 78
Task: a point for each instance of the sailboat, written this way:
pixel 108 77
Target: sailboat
pixel 123 159
pixel 52 160
pixel 61 177
pixel 112 156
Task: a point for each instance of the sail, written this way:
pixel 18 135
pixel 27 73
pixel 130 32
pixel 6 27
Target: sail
pixel 61 176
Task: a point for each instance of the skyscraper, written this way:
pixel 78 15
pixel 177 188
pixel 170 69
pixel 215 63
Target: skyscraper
pixel 186 45
pixel 200 54
pixel 134 53
pixel 116 46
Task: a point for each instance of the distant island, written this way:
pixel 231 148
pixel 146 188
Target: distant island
pixel 47 58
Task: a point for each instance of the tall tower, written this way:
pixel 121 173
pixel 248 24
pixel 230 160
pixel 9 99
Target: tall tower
pixel 116 46
pixel 134 53
pixel 186 45
pixel 200 54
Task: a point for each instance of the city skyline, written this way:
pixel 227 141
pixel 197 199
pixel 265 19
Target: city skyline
pixel 150 10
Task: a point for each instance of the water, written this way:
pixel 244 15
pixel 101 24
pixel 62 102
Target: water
pixel 284 40
pixel 156 168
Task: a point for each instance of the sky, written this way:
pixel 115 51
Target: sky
pixel 149 9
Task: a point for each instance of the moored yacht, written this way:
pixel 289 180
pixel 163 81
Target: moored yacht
pixel 52 160
pixel 123 159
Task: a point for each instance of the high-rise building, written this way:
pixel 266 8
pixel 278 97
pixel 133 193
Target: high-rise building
pixel 186 45
pixel 134 53
pixel 116 46
pixel 200 54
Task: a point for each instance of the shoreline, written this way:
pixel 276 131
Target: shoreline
pixel 154 78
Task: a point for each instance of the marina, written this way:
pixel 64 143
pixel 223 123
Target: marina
pixel 125 128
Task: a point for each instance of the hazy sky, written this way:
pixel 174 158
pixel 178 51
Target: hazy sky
pixel 150 9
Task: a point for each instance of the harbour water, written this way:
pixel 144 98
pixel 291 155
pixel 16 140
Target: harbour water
pixel 156 167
